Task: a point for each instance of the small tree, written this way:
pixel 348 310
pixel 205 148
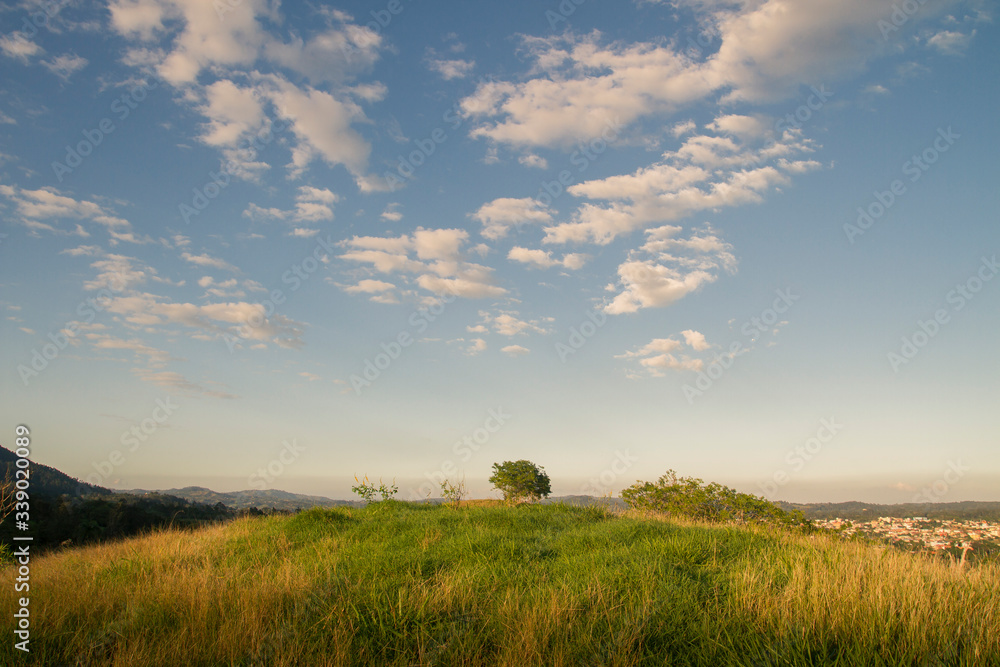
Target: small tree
pixel 520 479
pixel 367 490
pixel 453 492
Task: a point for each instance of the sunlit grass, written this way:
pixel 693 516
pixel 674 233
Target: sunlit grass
pixel 487 584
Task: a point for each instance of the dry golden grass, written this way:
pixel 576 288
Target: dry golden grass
pixel 494 585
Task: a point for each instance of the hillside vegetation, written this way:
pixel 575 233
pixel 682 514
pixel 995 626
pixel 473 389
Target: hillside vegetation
pixel 402 584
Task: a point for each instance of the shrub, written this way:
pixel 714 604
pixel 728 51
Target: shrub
pixel 367 490
pixel 691 497
pixel 453 492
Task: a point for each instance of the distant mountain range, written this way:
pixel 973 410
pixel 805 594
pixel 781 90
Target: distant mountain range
pixel 48 481
pixel 282 500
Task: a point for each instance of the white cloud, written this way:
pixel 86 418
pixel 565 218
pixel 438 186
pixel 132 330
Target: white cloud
pixel 696 340
pixel 705 173
pixel 667 268
pixel 476 345
pixel 311 205
pixel 154 357
pixel 177 383
pixel 452 69
pixel 543 259
pixel 499 215
pixel 515 350
pixel 663 354
pixel 139 18
pixel 370 286
pixel 237 42
pixel 439 261
pixel 65 66
pixel 41 209
pixel 950 42
pixel 766 50
pixel 534 161
pixel 83 250
pixel 682 128
pixel 391 213
pixel 206 260
pixel 741 126
pixel 507 323
pixel 17 46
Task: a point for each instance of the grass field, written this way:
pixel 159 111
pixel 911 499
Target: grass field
pixel 401 584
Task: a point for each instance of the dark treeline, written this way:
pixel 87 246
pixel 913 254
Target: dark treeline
pixel 63 510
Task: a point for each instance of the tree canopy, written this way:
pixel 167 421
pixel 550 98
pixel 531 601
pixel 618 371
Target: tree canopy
pixel 520 480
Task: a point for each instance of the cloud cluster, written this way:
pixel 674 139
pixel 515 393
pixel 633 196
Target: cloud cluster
pixel 499 216
pixel 432 259
pixel 43 209
pixel 668 267
pixel 312 205
pixel 122 288
pixel 508 323
pixel 247 80
pixel 738 166
pixel 757 51
pixel 660 355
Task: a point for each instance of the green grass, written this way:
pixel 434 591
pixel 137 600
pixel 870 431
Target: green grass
pixel 400 584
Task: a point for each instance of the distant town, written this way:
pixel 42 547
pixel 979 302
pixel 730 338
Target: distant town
pixel 919 533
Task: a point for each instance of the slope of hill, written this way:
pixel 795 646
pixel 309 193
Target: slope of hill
pixel 46 480
pixel 282 500
pixel 403 584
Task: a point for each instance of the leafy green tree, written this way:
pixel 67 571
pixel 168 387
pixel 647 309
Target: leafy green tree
pixel 520 479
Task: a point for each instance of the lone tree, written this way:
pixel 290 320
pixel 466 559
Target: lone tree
pixel 520 479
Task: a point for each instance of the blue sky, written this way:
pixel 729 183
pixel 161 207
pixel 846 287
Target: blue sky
pixel 252 245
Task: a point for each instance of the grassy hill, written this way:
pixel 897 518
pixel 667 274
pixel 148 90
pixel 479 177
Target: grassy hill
pixel 401 584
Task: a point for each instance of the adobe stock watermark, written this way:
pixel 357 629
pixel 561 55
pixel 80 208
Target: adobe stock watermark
pixel 266 475
pixel 816 100
pixel 601 484
pixel 217 181
pixel 131 440
pixel 295 276
pixel 60 339
pixel 752 328
pixel 795 119
pixel 799 455
pixel 901 14
pixel 122 107
pixel 37 20
pixel 407 165
pixel 586 153
pixel 580 334
pixel 564 10
pixel 915 168
pixel 940 487
pixel 958 298
pixel 464 449
pixel 419 321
